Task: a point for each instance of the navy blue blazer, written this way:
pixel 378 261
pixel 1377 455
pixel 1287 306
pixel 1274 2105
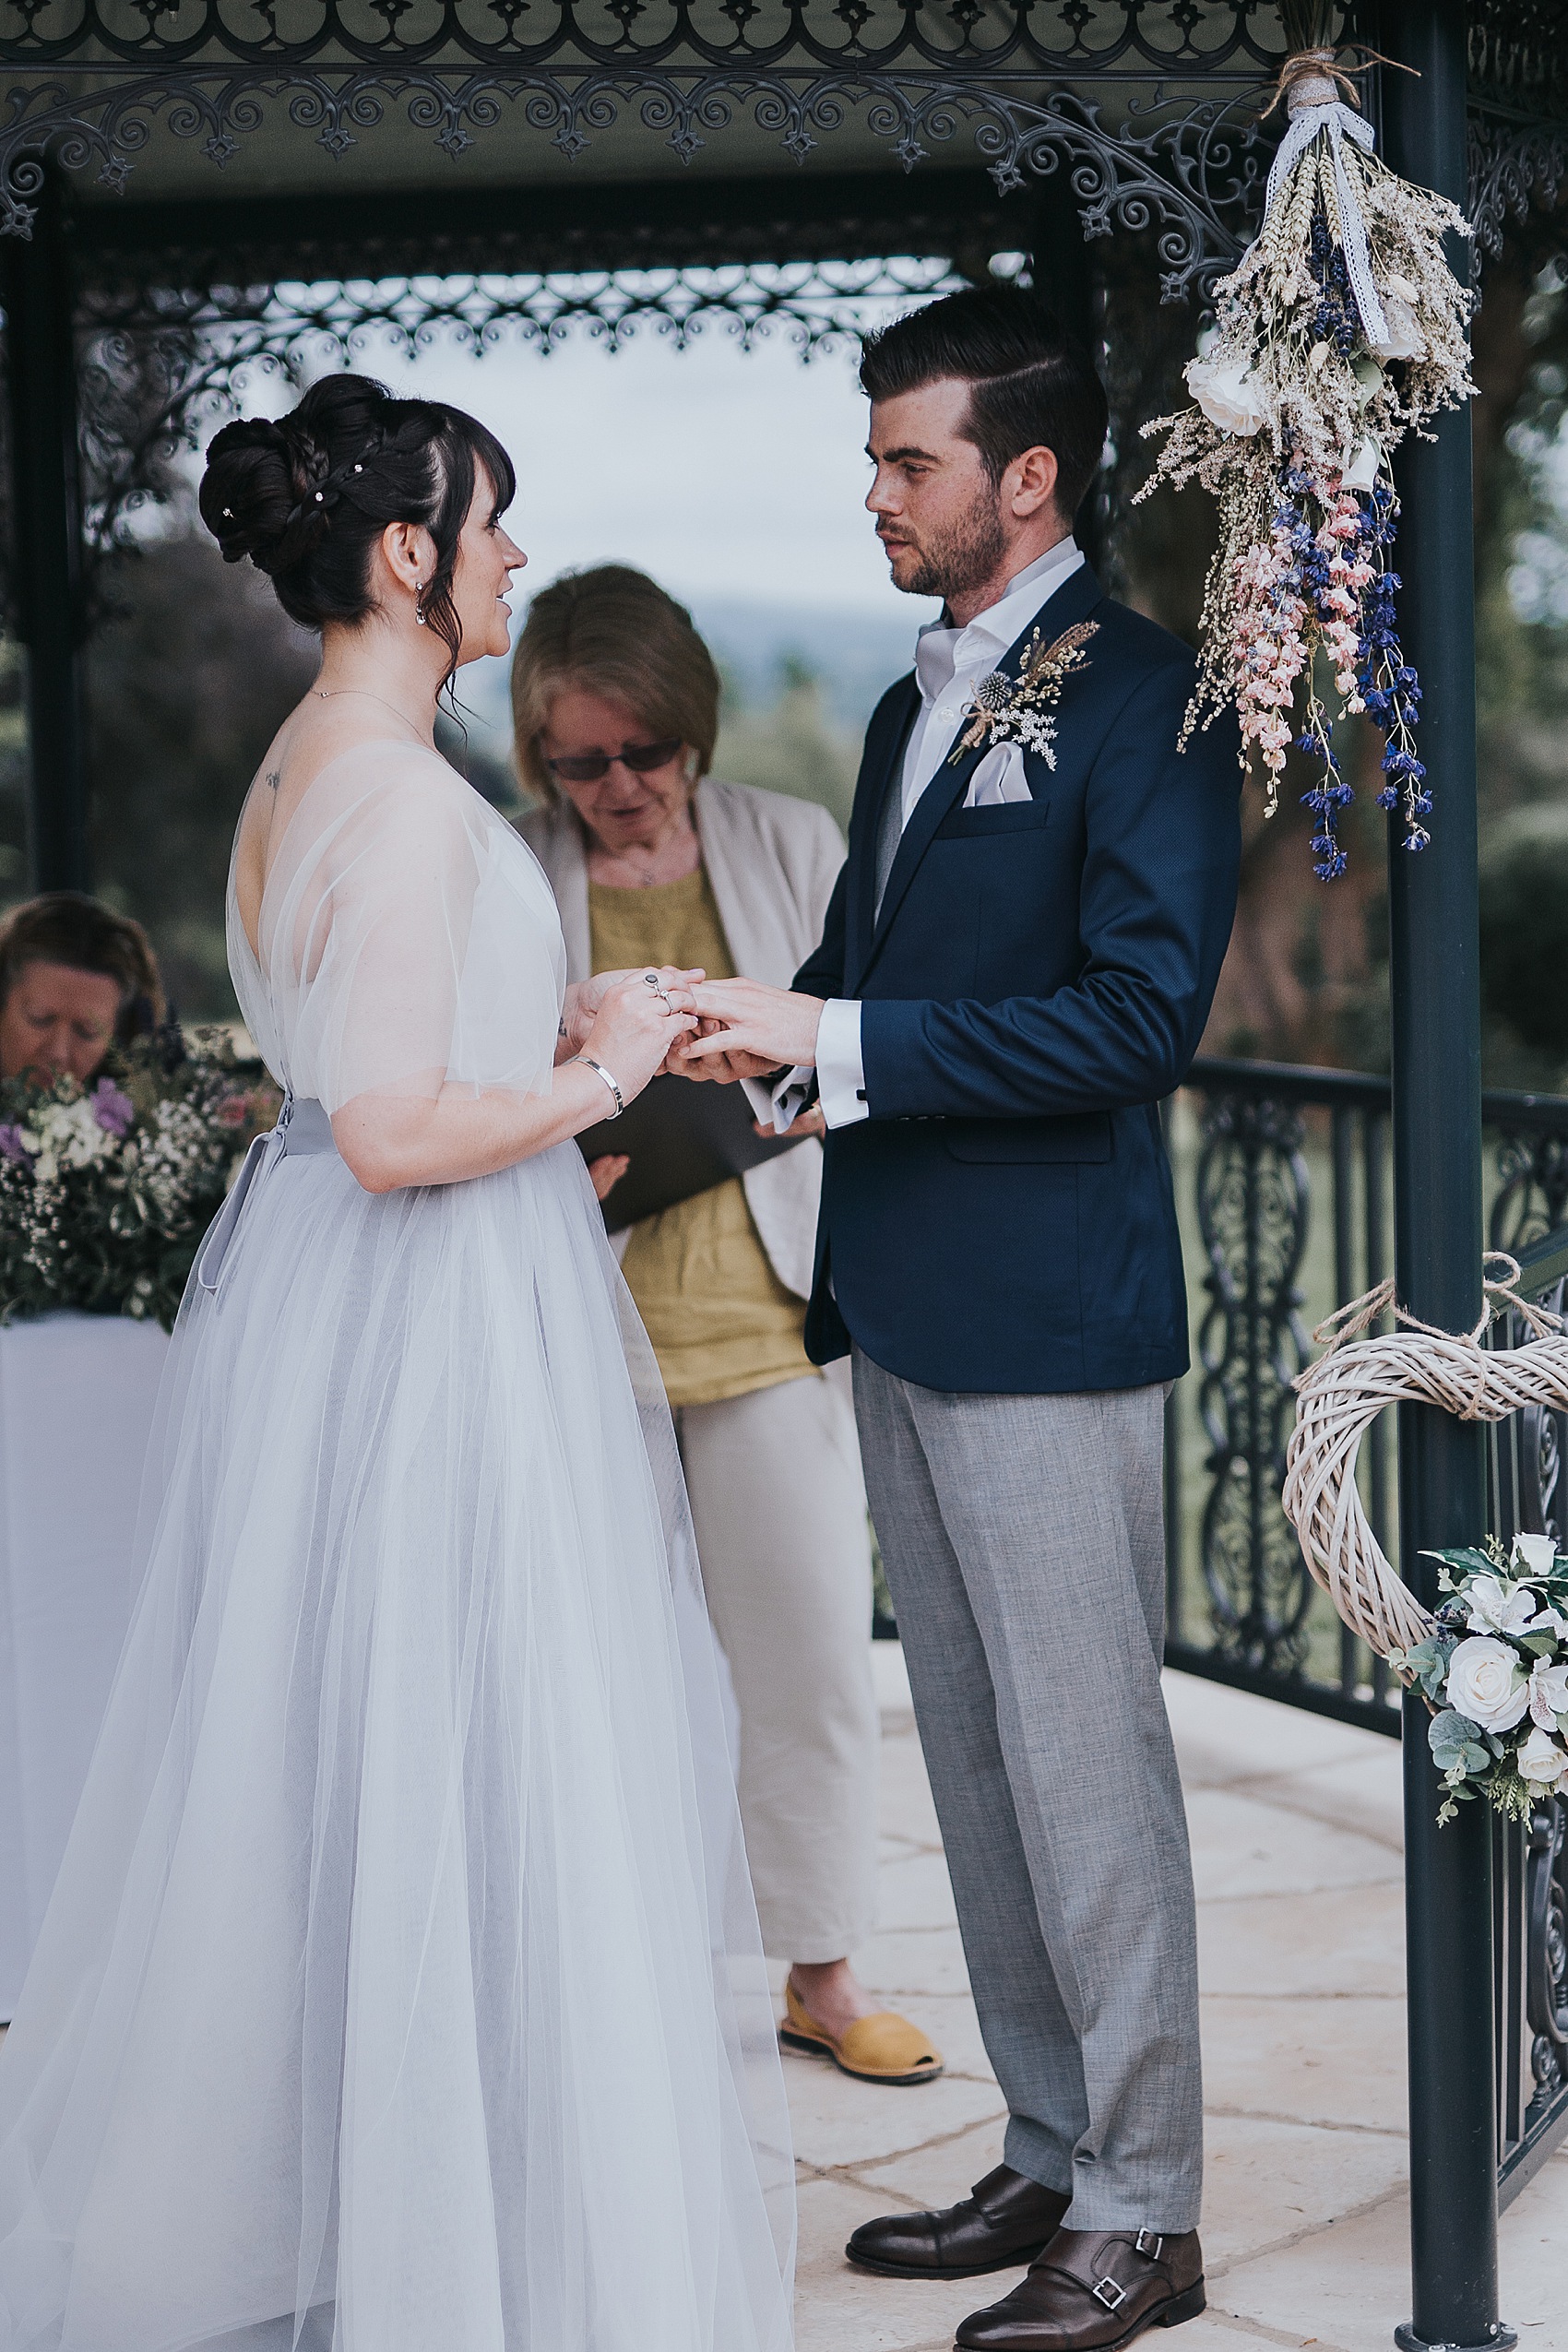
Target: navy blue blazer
pixel 1038 980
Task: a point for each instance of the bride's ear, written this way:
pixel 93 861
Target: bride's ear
pixel 408 552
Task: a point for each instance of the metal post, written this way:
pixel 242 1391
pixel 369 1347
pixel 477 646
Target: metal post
pixel 47 508
pixel 1434 974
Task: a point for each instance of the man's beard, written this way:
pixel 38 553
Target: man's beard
pixel 966 558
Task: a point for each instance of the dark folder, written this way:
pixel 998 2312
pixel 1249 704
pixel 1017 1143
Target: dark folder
pixel 683 1137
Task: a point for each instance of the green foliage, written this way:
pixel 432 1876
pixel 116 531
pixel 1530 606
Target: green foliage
pixel 188 681
pixel 1524 926
pixel 1427 1665
pixel 1458 1745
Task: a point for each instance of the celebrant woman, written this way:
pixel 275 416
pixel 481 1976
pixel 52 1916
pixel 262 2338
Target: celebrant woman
pixel 615 704
pixel 401 1986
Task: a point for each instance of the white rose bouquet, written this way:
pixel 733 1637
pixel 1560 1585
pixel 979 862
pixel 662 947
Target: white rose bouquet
pixel 106 1190
pixel 1496 1676
pixel 1341 329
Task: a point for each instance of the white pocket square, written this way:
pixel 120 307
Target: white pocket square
pixel 999 778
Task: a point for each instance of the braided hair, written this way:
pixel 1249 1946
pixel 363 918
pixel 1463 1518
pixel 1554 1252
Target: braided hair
pixel 307 496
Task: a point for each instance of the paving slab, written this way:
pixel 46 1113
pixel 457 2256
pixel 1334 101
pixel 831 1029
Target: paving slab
pixel 1296 1825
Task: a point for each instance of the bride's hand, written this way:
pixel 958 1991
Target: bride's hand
pixel 584 999
pixel 633 1030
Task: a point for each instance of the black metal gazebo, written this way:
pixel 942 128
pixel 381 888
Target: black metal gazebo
pixel 188 183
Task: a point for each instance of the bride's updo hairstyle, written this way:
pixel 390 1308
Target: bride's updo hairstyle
pixel 307 497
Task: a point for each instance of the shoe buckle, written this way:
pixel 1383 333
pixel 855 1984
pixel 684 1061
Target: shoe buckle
pixel 1109 2292
pixel 1148 2243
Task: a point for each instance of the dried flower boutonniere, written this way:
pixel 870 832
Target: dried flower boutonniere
pixel 1022 709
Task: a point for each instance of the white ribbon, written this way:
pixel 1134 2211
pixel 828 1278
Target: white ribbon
pixel 1340 121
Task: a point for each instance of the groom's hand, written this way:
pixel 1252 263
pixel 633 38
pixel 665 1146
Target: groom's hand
pixel 760 1028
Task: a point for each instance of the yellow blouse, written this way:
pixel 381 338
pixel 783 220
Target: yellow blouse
pixel 720 1320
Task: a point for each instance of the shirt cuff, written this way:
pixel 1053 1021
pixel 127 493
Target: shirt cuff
pixel 778 1098
pixel 841 1079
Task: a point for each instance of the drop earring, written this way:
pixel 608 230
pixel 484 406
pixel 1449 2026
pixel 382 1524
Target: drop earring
pixel 418 602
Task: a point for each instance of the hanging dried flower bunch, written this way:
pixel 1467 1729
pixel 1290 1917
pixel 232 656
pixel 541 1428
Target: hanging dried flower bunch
pixel 1341 329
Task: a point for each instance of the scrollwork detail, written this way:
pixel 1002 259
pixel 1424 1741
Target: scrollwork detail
pixel 1253 1202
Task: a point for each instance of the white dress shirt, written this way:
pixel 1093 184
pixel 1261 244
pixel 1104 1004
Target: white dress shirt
pixel 948 664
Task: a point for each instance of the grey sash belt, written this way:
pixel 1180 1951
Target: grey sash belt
pixel 303 1129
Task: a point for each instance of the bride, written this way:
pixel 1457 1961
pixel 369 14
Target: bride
pixel 401 1987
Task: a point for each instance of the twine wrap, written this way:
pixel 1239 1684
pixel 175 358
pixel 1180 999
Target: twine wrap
pixel 1344 1392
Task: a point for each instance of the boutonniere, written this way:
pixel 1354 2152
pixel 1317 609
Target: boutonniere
pixel 1022 709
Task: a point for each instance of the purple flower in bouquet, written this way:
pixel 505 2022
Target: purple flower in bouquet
pixel 11 1144
pixel 113 1109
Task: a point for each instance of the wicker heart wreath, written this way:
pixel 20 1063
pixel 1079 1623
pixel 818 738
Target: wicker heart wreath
pixel 1344 1392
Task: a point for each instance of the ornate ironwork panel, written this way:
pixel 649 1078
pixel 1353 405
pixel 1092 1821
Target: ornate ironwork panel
pixel 1528 1454
pixel 1191 165
pixel 1087 40
pixel 1532 1166
pixel 1253 1204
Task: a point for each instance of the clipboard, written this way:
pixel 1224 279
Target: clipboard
pixel 683 1137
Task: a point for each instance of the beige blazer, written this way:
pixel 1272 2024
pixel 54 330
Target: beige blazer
pixel 773 862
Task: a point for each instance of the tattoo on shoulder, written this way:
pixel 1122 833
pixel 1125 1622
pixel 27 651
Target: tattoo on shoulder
pixel 274 777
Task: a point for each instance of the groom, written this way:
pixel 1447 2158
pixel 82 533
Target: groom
pixel 1018 965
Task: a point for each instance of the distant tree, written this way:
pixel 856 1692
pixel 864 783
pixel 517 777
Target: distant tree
pixel 791 745
pixel 1524 916
pixel 188 681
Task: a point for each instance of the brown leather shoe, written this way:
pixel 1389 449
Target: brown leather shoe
pixel 1093 2291
pixel 1004 2220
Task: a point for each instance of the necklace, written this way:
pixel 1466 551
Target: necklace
pixel 332 694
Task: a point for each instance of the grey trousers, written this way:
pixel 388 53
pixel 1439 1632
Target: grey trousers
pixel 1024 1546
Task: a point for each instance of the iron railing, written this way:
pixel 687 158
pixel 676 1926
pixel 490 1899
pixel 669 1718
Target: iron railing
pixel 1249 1143
pixel 1255 1146
pixel 1529 1864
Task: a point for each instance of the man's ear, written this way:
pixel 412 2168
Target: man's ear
pixel 1030 483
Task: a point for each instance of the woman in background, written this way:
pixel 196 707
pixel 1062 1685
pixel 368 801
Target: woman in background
pixel 74 978
pixel 615 704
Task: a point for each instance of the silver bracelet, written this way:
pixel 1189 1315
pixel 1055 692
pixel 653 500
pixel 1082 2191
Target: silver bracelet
pixel 589 1064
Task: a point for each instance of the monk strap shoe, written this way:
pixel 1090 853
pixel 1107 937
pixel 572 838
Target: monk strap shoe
pixel 1093 2291
pixel 1004 2220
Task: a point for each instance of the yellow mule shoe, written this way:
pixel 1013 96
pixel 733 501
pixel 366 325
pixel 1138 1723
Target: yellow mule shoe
pixel 883 2048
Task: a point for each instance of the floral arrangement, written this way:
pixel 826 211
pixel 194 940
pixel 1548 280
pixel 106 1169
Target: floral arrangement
pixel 1341 329
pixel 1022 709
pixel 106 1191
pixel 1496 1676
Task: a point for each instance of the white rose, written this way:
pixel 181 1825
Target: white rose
pixel 1497 1608
pixel 1534 1555
pixel 1226 392
pixel 1548 1693
pixel 1364 466
pixel 1541 1760
pixel 1487 1685
pixel 1404 339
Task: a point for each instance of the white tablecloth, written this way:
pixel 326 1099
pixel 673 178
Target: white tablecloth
pixel 77 1397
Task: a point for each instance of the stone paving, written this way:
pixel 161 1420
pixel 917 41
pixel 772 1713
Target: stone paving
pixel 1295 1837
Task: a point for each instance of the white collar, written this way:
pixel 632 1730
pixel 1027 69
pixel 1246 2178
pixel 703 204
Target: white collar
pixel 943 651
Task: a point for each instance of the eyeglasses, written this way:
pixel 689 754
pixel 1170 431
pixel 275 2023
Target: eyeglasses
pixel 589 767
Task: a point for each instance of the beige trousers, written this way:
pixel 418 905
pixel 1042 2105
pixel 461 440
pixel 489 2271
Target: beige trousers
pixel 779 1509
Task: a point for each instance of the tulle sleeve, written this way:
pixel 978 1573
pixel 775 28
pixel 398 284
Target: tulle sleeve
pixel 408 939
